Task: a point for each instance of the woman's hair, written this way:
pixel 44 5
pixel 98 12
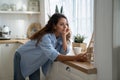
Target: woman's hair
pixel 49 28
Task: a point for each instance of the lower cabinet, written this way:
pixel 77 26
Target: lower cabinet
pixel 7 52
pixel 53 72
pixel 61 71
pixel 6 60
pixel 58 71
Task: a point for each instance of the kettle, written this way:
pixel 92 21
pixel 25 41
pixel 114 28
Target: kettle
pixel 6 32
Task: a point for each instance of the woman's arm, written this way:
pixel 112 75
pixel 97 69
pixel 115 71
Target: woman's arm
pixel 64 34
pixel 80 57
pixel 64 45
pixel 66 58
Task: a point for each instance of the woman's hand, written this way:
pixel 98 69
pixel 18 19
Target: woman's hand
pixel 83 57
pixel 66 31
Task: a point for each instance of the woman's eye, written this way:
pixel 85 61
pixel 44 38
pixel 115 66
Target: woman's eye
pixel 66 24
pixel 61 24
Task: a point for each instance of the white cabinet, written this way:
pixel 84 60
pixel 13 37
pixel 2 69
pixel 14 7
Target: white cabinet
pixel 6 60
pixel 61 71
pixel 53 72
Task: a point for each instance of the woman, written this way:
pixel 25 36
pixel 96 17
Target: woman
pixel 47 45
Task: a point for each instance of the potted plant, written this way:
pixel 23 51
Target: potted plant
pixel 79 38
pixel 57 10
pixel 79 42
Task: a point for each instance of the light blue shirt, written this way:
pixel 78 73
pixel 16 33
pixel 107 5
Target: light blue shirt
pixel 32 57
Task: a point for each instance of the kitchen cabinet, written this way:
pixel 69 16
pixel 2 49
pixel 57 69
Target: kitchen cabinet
pixel 53 72
pixel 7 51
pixel 61 71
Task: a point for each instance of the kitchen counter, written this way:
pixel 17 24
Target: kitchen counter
pixel 14 41
pixel 82 66
pixel 85 67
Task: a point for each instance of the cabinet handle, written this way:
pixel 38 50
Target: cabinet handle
pixel 68 69
pixel 6 45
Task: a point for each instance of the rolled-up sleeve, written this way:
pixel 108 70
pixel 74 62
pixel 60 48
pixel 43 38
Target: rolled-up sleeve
pixel 59 47
pixel 47 48
pixel 62 51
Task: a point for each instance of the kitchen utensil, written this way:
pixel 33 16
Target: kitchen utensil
pixel 5 32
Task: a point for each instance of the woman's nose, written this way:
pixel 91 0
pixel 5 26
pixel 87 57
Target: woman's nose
pixel 65 26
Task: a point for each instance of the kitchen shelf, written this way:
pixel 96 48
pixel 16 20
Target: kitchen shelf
pixel 18 12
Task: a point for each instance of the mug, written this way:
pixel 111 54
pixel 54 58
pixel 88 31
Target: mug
pixel 77 50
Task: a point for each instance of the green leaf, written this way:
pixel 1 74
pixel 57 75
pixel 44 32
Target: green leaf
pixel 61 9
pixel 56 9
pixel 79 38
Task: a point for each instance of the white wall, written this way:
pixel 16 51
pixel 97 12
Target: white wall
pixel 18 23
pixel 42 12
pixel 103 39
pixel 116 41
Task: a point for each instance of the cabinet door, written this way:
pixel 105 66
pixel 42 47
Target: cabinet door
pixel 62 77
pixel 61 71
pixel 6 61
pixel 53 73
pixel 74 74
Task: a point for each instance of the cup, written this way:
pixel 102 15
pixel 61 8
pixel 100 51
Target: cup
pixel 77 50
pixel 13 7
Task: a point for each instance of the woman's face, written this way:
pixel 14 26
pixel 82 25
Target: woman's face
pixel 61 25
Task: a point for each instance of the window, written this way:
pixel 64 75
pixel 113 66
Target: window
pixel 79 14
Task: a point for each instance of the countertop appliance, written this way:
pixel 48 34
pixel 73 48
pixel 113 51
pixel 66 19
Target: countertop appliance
pixel 4 33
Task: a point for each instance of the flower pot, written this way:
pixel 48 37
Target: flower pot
pixel 77 50
pixel 82 45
